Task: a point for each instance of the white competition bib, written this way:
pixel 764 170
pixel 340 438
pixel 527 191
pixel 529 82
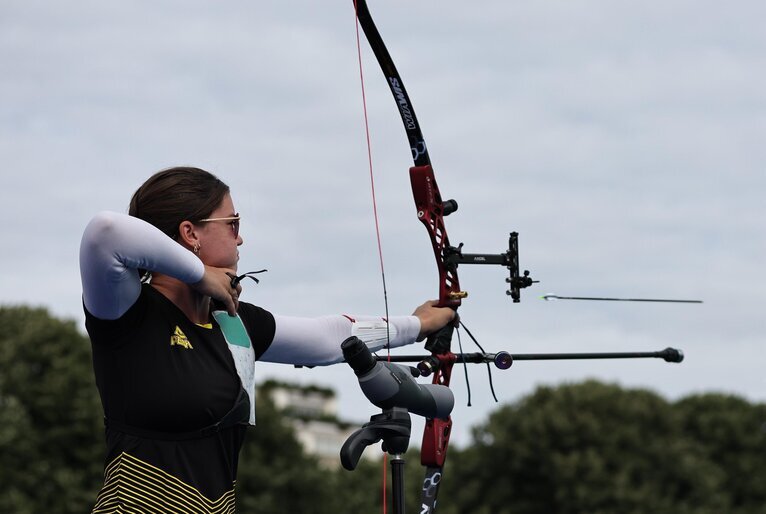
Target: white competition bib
pixel 241 349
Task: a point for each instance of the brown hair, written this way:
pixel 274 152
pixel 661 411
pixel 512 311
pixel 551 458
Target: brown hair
pixel 177 194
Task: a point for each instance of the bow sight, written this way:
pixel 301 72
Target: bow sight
pixel 509 259
pixel 431 211
pixel 452 256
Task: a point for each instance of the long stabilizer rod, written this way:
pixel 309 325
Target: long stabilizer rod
pixel 503 360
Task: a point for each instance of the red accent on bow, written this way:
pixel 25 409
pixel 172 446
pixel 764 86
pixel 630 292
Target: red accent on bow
pixel 430 211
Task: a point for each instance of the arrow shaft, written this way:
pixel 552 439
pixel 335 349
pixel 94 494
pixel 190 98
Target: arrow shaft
pixel 599 298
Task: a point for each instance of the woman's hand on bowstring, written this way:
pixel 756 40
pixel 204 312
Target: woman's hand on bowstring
pixel 433 318
pixel 216 283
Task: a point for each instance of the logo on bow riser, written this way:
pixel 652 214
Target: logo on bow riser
pixel 179 339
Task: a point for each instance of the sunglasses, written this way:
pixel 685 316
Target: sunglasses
pixel 231 220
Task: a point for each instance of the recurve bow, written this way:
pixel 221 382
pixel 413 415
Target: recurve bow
pixel 431 210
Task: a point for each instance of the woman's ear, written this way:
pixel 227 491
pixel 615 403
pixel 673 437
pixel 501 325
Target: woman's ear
pixel 187 235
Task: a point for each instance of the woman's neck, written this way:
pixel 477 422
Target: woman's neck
pixel 194 305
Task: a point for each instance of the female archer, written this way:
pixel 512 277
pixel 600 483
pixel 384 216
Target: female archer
pixel 174 349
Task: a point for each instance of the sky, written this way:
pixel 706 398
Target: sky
pixel 622 140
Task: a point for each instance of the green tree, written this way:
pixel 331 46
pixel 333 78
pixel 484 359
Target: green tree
pixel 585 448
pixel 731 433
pixel 50 415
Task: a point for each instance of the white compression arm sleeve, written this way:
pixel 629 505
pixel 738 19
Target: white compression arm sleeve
pixel 113 247
pixel 316 341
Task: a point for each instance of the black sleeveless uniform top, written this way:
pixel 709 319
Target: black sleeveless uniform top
pixel 163 375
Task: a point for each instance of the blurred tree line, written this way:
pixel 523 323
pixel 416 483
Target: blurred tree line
pixel 588 448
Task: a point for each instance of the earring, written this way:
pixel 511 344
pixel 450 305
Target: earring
pixel 196 248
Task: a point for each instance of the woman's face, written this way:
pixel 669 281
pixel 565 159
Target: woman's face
pixel 219 239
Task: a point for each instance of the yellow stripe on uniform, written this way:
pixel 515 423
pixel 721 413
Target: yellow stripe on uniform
pixel 132 485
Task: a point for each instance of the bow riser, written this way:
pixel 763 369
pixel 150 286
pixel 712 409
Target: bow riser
pixel 430 211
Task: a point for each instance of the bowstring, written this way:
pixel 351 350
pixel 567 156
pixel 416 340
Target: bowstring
pixel 375 214
pixel 372 177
